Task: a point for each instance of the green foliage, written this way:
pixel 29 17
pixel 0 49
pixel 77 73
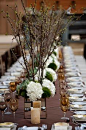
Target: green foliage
pixel 49 76
pixel 36 59
pixel 47 92
pixel 23 93
pixel 31 73
pixel 21 89
pixel 54 53
pixel 52 66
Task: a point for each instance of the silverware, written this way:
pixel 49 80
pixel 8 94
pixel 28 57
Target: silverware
pixel 44 126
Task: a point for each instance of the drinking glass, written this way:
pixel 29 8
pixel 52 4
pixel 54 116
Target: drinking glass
pixel 7 97
pixel 3 106
pixel 12 86
pixel 64 101
pixel 64 109
pixel 13 105
pixel 62 84
pixel 22 77
pixel 63 93
pixel 61 76
pixel 64 106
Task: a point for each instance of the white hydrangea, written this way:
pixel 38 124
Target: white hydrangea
pixel 34 91
pixel 50 60
pixel 39 74
pixel 52 72
pixel 57 52
pixel 53 56
pixel 57 64
pixel 47 83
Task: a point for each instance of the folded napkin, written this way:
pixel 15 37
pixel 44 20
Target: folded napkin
pixel 61 126
pixel 5 128
pixel 8 128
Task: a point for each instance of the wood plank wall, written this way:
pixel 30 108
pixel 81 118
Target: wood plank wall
pixel 62 3
pixel 4 25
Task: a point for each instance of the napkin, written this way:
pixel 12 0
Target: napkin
pixel 5 128
pixel 8 128
pixel 61 127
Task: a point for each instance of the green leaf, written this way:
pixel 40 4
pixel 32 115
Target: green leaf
pixel 23 93
pixel 22 87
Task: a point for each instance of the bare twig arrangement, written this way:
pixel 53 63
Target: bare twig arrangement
pixel 39 32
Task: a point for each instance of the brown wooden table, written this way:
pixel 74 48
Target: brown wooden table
pixel 54 112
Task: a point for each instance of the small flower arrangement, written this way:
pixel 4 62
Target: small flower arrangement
pixel 35 90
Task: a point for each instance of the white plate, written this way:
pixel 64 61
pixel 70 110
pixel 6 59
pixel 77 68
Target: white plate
pixel 74 79
pixel 77 107
pixel 79 103
pixel 80 112
pixel 3 87
pixel 76 87
pixel 6 82
pixel 32 128
pixel 79 117
pixel 75 84
pixel 76 95
pixel 76 99
pixel 75 91
pixel 16 74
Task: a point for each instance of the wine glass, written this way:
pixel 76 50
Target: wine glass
pixel 12 86
pixel 22 77
pixel 63 93
pixel 3 106
pixel 13 105
pixel 62 84
pixel 64 105
pixel 64 101
pixel 7 97
pixel 64 109
pixel 61 77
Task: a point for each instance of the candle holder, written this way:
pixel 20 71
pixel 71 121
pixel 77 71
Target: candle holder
pixel 29 104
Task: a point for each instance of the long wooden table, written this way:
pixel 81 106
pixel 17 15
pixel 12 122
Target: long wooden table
pixel 54 112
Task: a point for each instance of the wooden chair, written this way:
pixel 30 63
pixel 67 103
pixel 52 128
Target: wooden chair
pixel 2 66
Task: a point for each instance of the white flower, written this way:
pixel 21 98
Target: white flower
pixel 53 56
pixel 37 76
pixel 34 91
pixel 52 60
pixel 52 72
pixel 47 83
pixel 57 64
pixel 57 52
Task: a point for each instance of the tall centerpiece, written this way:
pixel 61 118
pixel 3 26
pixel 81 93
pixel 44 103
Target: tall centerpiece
pixel 38 35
